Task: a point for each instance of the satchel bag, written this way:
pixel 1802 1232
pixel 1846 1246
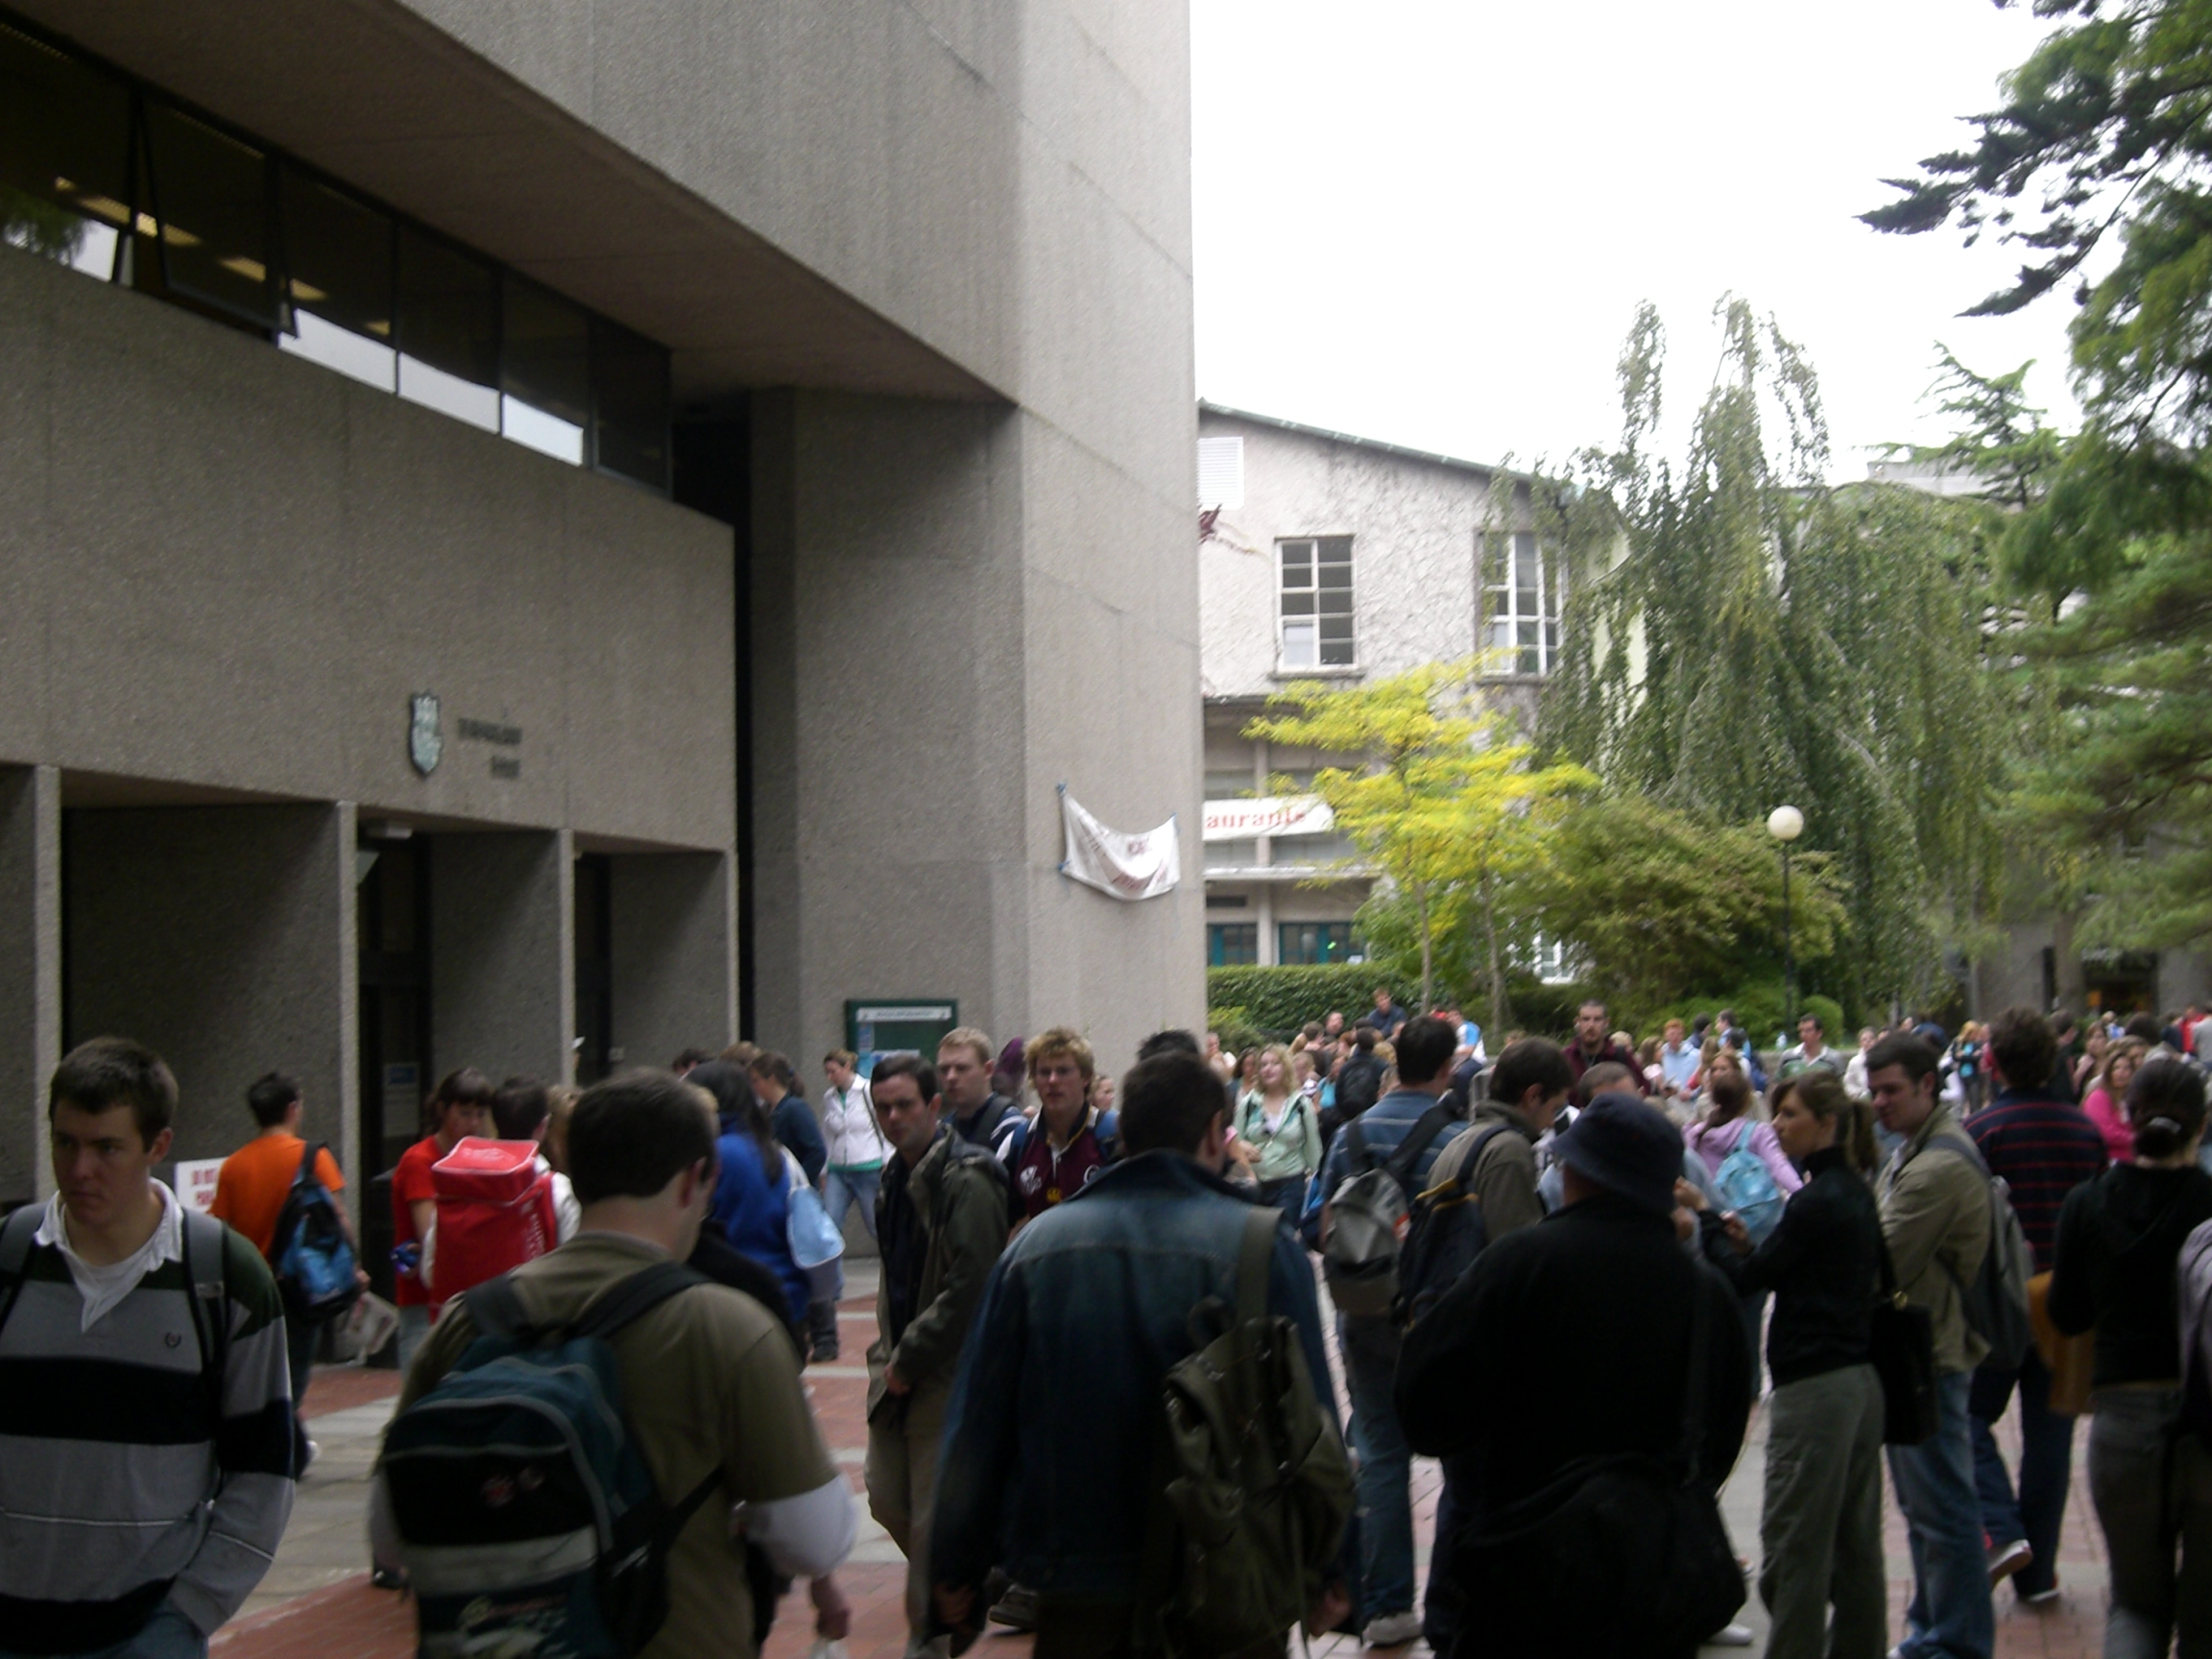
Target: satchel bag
pixel 1623 1555
pixel 2070 1360
pixel 1903 1338
pixel 809 1233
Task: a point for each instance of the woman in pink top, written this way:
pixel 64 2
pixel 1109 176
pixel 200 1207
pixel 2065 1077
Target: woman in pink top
pixel 1726 1122
pixel 2105 1104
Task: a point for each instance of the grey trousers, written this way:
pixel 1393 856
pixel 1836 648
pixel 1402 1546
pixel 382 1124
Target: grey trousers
pixel 1820 1532
pixel 2152 1488
pixel 901 1474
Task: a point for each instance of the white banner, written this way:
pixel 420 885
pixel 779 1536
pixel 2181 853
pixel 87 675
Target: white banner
pixel 195 1182
pixel 1139 866
pixel 1268 815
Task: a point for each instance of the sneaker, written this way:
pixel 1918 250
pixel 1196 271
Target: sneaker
pixel 1391 1629
pixel 2006 1560
pixel 309 1452
pixel 2040 1598
pixel 1730 1636
pixel 1017 1609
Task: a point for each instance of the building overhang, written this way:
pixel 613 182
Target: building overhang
pixel 385 102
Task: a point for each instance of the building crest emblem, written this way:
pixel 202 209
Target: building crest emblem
pixel 424 744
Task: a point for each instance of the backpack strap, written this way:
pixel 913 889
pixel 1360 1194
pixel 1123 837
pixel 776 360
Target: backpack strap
pixel 307 1170
pixel 203 1272
pixel 1255 1257
pixel 16 1235
pixel 1425 1130
pixel 635 1296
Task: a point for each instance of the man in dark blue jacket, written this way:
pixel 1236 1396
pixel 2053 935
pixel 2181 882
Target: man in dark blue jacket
pixel 1370 1342
pixel 1047 1454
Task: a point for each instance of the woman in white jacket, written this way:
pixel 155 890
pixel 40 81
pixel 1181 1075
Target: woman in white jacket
pixel 855 1139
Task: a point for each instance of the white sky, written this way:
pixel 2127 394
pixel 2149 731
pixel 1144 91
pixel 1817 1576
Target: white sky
pixel 1431 221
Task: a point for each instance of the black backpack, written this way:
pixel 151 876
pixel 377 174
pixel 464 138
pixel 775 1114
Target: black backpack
pixel 1444 1232
pixel 310 1252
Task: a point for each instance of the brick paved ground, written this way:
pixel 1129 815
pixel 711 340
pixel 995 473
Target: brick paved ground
pixel 317 1602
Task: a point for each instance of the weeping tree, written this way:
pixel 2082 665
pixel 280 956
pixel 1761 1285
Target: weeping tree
pixel 1751 636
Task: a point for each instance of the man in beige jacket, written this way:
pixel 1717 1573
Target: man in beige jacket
pixel 1936 1219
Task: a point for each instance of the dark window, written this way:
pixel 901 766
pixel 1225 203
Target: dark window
pixel 64 156
pixel 545 371
pixel 448 329
pixel 1232 943
pixel 210 197
pixel 1308 942
pixel 338 257
pixel 630 408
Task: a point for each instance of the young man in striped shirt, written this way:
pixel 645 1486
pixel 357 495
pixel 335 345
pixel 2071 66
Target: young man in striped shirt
pixel 145 1406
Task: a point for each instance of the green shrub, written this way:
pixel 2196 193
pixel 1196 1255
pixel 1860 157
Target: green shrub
pixel 1278 1002
pixel 1236 1030
pixel 1539 1010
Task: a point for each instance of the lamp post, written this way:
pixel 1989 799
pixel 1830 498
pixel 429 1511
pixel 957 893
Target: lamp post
pixel 1786 823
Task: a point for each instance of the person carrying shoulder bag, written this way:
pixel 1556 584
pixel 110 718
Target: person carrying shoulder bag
pixel 1278 1134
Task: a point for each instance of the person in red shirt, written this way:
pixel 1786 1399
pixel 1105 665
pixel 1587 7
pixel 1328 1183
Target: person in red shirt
pixel 250 1193
pixel 1062 1153
pixel 459 1106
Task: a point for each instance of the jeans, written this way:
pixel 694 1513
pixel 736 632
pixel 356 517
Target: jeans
pixel 2046 1466
pixel 1951 1613
pixel 167 1635
pixel 1288 1195
pixel 300 1361
pixel 1820 1528
pixel 2151 1484
pixel 1386 1466
pixel 842 1189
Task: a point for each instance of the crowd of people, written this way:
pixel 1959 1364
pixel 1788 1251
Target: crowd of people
pixel 1556 1268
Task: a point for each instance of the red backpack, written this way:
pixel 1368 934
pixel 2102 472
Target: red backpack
pixel 494 1213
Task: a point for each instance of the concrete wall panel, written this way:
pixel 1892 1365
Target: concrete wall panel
pixel 674 973
pixel 503 954
pixel 223 938
pixel 30 972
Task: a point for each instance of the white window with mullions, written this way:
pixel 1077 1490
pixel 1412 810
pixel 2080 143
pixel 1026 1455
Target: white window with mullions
pixel 1522 589
pixel 1314 577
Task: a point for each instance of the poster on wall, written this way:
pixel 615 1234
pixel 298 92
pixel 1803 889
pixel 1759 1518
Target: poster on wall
pixel 195 1182
pixel 1124 866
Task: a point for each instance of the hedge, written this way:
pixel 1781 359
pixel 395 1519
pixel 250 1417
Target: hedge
pixel 1277 1001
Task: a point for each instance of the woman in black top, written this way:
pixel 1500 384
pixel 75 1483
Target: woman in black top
pixel 1820 1530
pixel 2150 1476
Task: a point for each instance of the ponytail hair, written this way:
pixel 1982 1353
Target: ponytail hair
pixel 1820 1092
pixel 2165 1107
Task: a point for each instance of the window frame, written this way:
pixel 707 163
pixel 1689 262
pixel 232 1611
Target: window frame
pixel 1320 667
pixel 1218 953
pixel 1551 599
pixel 1347 931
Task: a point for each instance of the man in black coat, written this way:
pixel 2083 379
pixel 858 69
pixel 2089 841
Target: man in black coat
pixel 1571 1339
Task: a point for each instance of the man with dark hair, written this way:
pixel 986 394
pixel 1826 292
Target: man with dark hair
pixel 1046 1445
pixel 710 1382
pixel 1811 1049
pixel 941 1222
pixel 1935 1221
pixel 250 1190
pixel 1386 1016
pixel 144 1397
pixel 1359 1081
pixel 1369 1342
pixel 523 1111
pixel 1516 1370
pixel 2044 1147
pixel 1495 1158
pixel 1168 1042
pixel 1594 1046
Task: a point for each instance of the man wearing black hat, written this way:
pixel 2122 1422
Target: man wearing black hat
pixel 1523 1367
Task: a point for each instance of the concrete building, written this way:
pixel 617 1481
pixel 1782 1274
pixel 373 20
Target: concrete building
pixel 533 538
pixel 1331 557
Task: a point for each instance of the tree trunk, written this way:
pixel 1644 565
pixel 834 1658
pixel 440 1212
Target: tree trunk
pixel 1497 1025
pixel 1427 944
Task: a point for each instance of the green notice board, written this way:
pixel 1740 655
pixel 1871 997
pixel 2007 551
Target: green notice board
pixel 876 1026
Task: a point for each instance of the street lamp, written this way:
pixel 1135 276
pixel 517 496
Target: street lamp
pixel 1786 823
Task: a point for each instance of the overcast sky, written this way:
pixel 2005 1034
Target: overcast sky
pixel 1431 221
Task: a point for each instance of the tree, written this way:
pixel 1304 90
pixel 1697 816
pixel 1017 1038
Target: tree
pixel 1664 903
pixel 1442 804
pixel 2103 145
pixel 1767 638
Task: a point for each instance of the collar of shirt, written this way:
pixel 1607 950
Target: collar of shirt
pixel 102 1286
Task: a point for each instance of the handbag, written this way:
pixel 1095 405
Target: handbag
pixel 1619 1554
pixel 2071 1360
pixel 813 1239
pixel 1903 1341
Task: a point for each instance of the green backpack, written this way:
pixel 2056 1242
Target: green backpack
pixel 1252 1488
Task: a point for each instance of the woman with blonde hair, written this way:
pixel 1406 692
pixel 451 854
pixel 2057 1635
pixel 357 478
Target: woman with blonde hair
pixel 1277 1133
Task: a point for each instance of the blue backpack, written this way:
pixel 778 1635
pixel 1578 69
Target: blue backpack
pixel 1747 1186
pixel 528 1520
pixel 310 1252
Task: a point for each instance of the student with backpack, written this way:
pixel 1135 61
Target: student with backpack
pixel 459 1107
pixel 282 1194
pixel 752 1190
pixel 1377 1165
pixel 143 1388
pixel 1057 1452
pixel 1750 1170
pixel 2116 1272
pixel 562 1468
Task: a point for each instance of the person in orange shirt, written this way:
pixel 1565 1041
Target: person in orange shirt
pixel 250 1193
pixel 459 1106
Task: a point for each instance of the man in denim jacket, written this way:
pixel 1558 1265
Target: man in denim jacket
pixel 1049 1438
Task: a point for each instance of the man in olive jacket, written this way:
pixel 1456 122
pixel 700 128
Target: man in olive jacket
pixel 1935 1221
pixel 941 1224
